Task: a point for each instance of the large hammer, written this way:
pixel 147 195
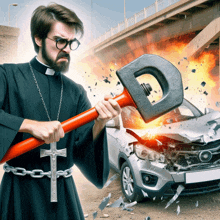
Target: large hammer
pixel 134 94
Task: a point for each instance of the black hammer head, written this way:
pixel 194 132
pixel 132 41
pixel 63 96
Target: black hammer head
pixel 168 77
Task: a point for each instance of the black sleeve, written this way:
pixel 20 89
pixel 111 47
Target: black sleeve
pixel 90 156
pixel 9 124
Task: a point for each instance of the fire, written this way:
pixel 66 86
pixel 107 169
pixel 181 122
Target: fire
pixel 199 81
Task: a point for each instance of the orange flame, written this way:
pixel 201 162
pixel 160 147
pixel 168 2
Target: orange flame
pixel 199 80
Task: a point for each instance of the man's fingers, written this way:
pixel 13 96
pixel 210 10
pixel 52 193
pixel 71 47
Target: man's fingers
pixel 108 109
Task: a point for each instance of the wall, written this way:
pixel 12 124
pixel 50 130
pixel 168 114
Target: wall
pixel 8 44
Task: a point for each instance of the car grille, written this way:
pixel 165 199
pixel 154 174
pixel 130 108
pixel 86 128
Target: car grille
pixel 195 188
pixel 194 157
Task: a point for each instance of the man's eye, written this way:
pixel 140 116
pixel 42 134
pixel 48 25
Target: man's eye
pixel 61 41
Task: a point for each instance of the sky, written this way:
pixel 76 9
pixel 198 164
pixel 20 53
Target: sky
pixel 97 15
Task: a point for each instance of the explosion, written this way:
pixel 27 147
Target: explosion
pixel 199 74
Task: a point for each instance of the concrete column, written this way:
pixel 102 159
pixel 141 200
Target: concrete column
pixel 8 44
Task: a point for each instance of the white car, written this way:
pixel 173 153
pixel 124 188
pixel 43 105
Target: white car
pixel 183 149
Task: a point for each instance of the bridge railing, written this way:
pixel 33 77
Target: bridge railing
pixel 146 12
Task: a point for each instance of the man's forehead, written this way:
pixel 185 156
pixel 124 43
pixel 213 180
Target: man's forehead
pixel 62 30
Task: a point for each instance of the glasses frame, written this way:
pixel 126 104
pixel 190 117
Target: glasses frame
pixel 68 42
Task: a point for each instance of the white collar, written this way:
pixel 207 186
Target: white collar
pixel 49 71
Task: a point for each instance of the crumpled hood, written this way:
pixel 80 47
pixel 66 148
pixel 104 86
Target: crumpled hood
pixel 203 129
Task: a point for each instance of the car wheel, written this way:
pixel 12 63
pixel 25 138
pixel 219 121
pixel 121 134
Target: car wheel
pixel 128 184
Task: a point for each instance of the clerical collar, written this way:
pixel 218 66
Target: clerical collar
pixel 41 67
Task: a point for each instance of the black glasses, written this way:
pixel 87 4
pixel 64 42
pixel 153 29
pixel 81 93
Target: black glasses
pixel 61 43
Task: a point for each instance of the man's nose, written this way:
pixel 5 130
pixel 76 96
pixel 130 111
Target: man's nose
pixel 67 49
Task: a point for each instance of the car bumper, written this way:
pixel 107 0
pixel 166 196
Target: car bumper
pixel 168 182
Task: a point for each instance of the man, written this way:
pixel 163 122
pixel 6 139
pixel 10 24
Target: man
pixel 34 98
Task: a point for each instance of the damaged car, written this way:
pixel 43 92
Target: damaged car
pixel 181 147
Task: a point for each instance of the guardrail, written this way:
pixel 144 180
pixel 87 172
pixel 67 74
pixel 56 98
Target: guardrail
pixel 146 12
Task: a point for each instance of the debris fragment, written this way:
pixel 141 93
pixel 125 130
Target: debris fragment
pixel 203 83
pixel 104 202
pixel 144 194
pixel 118 83
pixel 106 80
pixel 147 218
pixel 193 70
pixel 117 203
pixel 105 216
pixel 197 203
pixel 206 93
pixel 186 88
pixel 178 210
pixel 86 215
pixel 111 179
pixel 94 214
pixel 128 205
pixel 178 191
pixel 217 104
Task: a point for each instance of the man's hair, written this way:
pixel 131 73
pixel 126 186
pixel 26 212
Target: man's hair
pixel 45 16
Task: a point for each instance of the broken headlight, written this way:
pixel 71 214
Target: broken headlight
pixel 146 153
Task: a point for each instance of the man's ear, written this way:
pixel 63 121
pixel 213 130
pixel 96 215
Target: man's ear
pixel 38 41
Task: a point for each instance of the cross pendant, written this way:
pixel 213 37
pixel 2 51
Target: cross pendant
pixel 53 153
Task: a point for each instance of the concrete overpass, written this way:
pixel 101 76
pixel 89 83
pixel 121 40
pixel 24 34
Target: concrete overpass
pixel 183 17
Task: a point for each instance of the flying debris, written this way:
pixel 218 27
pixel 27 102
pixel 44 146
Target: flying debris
pixel 197 203
pixel 203 83
pixel 94 214
pixel 106 80
pixel 127 206
pixel 178 210
pixel 193 70
pixel 104 202
pixel 217 104
pixel 206 93
pixel 145 194
pixel 118 83
pixel 174 198
pixel 186 88
pixel 111 179
pixel 119 202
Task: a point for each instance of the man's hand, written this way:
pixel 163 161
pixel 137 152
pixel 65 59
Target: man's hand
pixel 107 109
pixel 49 132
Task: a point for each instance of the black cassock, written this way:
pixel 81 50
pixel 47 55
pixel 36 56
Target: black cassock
pixel 25 197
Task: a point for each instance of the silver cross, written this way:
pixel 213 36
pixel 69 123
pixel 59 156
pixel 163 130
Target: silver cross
pixel 53 153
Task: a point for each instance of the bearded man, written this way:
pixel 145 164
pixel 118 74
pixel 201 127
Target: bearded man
pixel 34 98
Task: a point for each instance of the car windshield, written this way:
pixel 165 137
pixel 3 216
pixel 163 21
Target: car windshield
pixel 132 119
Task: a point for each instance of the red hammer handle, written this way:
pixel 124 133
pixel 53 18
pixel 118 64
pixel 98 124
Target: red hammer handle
pixel 124 99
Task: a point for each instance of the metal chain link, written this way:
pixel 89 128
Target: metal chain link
pixel 36 173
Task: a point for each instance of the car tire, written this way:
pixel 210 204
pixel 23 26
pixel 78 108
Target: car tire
pixel 128 184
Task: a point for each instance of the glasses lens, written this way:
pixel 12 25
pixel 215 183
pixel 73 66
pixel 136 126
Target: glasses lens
pixel 74 44
pixel 61 43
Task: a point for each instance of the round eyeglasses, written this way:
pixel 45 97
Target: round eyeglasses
pixel 62 43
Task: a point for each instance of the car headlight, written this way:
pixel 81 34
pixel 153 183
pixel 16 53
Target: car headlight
pixel 146 153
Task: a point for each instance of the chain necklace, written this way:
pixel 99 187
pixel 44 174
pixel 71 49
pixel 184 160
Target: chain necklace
pixel 42 99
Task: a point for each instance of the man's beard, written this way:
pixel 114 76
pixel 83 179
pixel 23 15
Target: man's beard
pixel 58 67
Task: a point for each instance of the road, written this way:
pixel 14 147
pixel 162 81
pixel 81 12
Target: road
pixel 199 207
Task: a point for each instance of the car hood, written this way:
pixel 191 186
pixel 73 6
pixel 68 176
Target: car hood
pixel 203 129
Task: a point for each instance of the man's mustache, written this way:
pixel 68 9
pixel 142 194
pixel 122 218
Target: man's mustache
pixel 63 55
